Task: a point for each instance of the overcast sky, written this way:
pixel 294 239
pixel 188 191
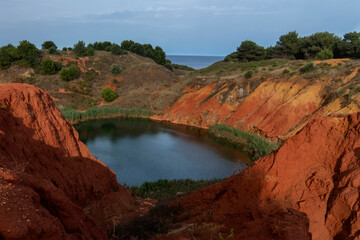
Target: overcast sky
pixel 201 27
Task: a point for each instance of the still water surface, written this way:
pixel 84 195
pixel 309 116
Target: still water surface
pixel 143 150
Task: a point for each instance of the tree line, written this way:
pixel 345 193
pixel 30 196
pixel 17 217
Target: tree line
pixel 321 46
pixel 28 53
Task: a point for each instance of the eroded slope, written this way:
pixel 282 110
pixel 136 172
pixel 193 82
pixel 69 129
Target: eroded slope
pixel 314 176
pixel 50 184
pixel 273 103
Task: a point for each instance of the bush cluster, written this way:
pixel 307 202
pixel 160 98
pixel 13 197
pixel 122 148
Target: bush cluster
pixel 248 74
pixel 324 54
pixel 115 69
pixel 116 49
pixel 48 45
pixel 47 66
pixel 108 94
pixel 70 73
pixel 25 51
pixel 82 51
pixel 307 68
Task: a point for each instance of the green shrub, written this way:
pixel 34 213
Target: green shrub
pixel 115 69
pixel 248 74
pixel 325 54
pixel 108 94
pixel 29 53
pixel 52 50
pixel 65 75
pixel 138 49
pixel 100 46
pixel 79 49
pixel 127 44
pixel 8 54
pixel 74 71
pixel 90 51
pixel 116 49
pixel 48 45
pixel 64 49
pixel 307 68
pixel 58 65
pixel 250 51
pixel 47 66
pixel 169 66
pixel 70 73
pixel 160 56
pixel 286 71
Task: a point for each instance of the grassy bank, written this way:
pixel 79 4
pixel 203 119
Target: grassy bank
pixel 166 189
pixel 74 116
pixel 255 146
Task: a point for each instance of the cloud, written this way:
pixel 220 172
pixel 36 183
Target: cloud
pixel 207 26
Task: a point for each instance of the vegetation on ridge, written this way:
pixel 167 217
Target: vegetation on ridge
pixel 255 146
pixel 28 53
pixel 165 189
pixel 74 116
pixel 321 46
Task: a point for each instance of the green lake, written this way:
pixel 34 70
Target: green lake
pixel 142 150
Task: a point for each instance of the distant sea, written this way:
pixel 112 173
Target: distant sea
pixel 195 62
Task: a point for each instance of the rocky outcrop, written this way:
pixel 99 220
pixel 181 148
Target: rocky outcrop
pixel 51 187
pixel 315 175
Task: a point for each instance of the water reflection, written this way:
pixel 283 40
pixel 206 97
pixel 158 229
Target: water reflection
pixel 143 150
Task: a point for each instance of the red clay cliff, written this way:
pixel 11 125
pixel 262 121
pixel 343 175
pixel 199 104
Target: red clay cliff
pixel 51 187
pixel 314 179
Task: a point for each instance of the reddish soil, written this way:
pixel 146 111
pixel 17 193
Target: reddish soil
pixel 79 62
pixel 312 179
pixel 51 187
pixel 275 106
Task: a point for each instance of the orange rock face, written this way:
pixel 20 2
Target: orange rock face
pixel 274 105
pixel 50 184
pixel 313 177
pixel 272 109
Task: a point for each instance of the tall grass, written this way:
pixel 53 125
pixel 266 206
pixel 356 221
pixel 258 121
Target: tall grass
pixel 166 189
pixel 74 116
pixel 255 146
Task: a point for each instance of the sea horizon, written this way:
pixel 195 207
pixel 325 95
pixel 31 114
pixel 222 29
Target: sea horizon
pixel 195 61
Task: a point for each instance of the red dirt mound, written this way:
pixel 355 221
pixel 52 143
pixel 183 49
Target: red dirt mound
pixel 315 175
pixel 50 184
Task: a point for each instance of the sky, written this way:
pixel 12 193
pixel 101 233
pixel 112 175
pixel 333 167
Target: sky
pixel 180 27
